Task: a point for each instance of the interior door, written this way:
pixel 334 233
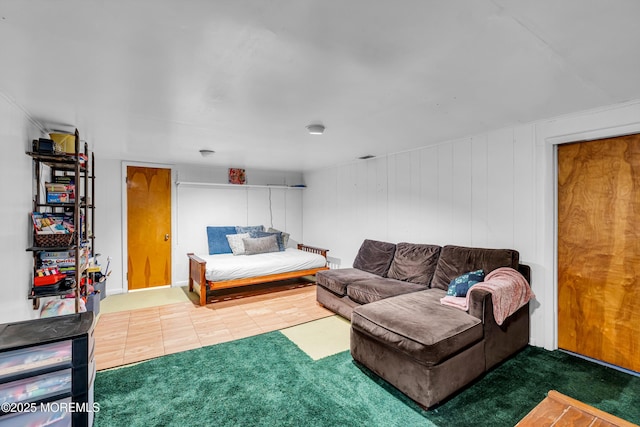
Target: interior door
pixel 148 227
pixel 599 250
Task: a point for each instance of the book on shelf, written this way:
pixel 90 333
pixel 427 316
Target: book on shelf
pixel 59 187
pixel 56 255
pixel 48 223
pixel 59 262
pixel 52 229
pixel 64 179
pixel 60 197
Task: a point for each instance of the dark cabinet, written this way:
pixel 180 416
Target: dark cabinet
pixel 47 371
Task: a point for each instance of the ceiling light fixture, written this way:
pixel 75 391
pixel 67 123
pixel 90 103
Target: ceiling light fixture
pixel 366 157
pixel 315 129
pixel 207 153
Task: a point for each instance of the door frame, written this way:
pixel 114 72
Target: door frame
pixel 559 132
pixel 125 242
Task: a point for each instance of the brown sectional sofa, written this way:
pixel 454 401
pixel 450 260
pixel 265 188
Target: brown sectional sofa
pixel 401 331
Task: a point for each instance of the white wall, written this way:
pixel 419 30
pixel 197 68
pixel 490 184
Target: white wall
pixel 194 207
pixel 108 224
pixel 16 133
pixel 492 190
pixel 192 173
pixel 200 206
pixel 465 192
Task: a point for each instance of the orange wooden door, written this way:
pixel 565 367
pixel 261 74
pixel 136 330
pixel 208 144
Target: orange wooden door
pixel 148 227
pixel 599 250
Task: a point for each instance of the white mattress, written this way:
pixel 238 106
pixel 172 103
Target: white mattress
pixel 228 266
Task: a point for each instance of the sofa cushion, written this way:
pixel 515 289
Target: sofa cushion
pixel 375 257
pixel 414 262
pixel 337 280
pixel 417 325
pixel 456 260
pixel 370 290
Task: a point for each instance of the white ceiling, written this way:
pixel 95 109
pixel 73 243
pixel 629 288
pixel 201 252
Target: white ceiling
pixel 158 80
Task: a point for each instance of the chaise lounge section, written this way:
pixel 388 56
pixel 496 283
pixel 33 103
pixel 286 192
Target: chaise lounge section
pixel 402 332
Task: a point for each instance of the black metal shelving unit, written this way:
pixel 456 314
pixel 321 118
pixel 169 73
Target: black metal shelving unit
pixel 78 165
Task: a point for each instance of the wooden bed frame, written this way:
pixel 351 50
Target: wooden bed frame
pixel 198 267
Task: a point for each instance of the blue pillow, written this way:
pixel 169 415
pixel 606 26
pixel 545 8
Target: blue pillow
pixel 461 284
pixel 249 229
pixel 217 239
pixel 278 235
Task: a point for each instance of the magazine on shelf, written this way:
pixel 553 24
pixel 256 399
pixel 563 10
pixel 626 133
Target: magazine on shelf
pixel 48 223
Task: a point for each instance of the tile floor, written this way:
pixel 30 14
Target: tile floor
pixel 136 335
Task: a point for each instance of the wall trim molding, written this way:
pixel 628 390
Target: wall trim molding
pixel 595 134
pixel 24 111
pixel 607 122
pixel 238 186
pixel 123 180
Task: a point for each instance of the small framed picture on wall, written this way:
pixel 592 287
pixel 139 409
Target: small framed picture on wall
pixel 237 176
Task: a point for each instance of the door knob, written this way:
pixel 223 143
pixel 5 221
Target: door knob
pixel 166 237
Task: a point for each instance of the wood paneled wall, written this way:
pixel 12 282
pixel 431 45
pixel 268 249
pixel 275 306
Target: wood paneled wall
pixel 477 191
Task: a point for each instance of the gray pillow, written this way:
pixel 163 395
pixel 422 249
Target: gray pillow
pixel 265 234
pixel 236 244
pixel 249 228
pixel 285 236
pixel 260 245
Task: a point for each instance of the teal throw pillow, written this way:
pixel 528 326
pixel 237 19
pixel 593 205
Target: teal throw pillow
pixel 461 284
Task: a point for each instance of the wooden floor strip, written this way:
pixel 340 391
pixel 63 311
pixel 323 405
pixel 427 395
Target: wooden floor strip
pixel 132 336
pixel 563 411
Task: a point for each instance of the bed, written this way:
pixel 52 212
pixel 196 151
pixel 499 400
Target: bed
pixel 224 271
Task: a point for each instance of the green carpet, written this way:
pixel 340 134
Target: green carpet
pixel 267 380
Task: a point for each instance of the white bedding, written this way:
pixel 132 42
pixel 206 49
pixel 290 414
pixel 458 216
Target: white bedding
pixel 228 266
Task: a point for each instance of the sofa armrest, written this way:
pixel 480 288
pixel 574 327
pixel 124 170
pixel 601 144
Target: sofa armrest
pixel 525 270
pixel 501 341
pixel 479 301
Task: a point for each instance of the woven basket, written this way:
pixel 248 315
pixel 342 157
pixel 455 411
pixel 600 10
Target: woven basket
pixel 54 240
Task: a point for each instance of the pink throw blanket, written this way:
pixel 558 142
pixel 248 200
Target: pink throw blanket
pixel 509 291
